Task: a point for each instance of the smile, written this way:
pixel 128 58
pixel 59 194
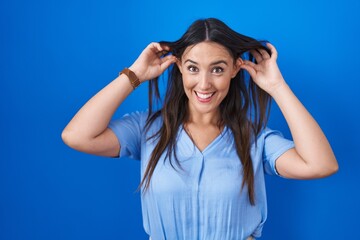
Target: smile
pixel 204 97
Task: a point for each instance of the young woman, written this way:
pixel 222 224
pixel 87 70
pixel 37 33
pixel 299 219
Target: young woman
pixel 205 151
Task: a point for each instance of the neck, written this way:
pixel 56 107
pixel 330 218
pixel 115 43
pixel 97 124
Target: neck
pixel 205 119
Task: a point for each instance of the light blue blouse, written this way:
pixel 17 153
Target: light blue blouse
pixel 202 199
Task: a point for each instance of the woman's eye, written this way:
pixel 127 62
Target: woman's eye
pixel 192 69
pixel 218 70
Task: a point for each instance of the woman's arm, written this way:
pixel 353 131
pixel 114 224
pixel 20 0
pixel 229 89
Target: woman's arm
pixel 87 131
pixel 312 156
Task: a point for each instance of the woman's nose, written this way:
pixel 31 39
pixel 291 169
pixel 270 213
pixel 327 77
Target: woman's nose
pixel 204 81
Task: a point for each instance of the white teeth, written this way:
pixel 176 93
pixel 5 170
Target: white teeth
pixel 204 96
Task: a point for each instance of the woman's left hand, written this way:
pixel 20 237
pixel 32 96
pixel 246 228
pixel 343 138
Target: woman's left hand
pixel 265 73
pixel 312 156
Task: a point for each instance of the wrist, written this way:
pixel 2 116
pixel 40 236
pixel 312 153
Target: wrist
pixel 134 80
pixel 279 90
pixel 137 72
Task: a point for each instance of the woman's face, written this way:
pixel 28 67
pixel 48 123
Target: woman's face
pixel 207 69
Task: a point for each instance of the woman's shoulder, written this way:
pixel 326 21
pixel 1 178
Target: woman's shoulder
pixel 136 115
pixel 272 137
pixel 136 123
pixel 267 135
pixel 144 118
pixel 267 131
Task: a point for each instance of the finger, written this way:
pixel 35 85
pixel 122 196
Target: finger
pixel 165 47
pixel 168 58
pixel 274 53
pixel 166 62
pixel 156 48
pixel 258 57
pixel 250 63
pixel 159 49
pixel 162 48
pixel 264 54
pixel 249 69
pixel 162 53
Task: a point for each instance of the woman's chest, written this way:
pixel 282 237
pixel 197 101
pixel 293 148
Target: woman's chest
pixel 214 173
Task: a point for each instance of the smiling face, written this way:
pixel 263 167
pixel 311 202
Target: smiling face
pixel 207 69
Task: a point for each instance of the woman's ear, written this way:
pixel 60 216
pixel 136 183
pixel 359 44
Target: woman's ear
pixel 179 65
pixel 237 67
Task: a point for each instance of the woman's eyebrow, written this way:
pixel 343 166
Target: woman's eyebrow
pixel 191 61
pixel 218 62
pixel 213 63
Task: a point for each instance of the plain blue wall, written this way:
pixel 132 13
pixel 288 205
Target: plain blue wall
pixel 54 55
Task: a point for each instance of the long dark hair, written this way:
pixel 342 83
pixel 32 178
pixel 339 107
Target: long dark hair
pixel 244 110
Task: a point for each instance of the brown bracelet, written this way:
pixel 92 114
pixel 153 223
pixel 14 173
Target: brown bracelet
pixel 134 80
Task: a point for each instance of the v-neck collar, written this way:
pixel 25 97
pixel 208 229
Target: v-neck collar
pixel 209 146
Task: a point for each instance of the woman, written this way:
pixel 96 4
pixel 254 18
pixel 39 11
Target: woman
pixel 204 153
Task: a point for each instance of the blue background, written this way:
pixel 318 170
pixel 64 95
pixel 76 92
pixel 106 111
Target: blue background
pixel 54 55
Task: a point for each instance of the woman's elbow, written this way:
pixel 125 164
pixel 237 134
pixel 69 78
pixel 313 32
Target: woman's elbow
pixel 334 168
pixel 328 170
pixel 71 139
pixel 66 137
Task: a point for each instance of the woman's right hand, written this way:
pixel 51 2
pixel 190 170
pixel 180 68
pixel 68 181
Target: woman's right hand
pixel 88 130
pixel 150 64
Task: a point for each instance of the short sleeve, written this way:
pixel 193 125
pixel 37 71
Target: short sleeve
pixel 128 131
pixel 274 146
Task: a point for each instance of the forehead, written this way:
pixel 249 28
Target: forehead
pixel 206 52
